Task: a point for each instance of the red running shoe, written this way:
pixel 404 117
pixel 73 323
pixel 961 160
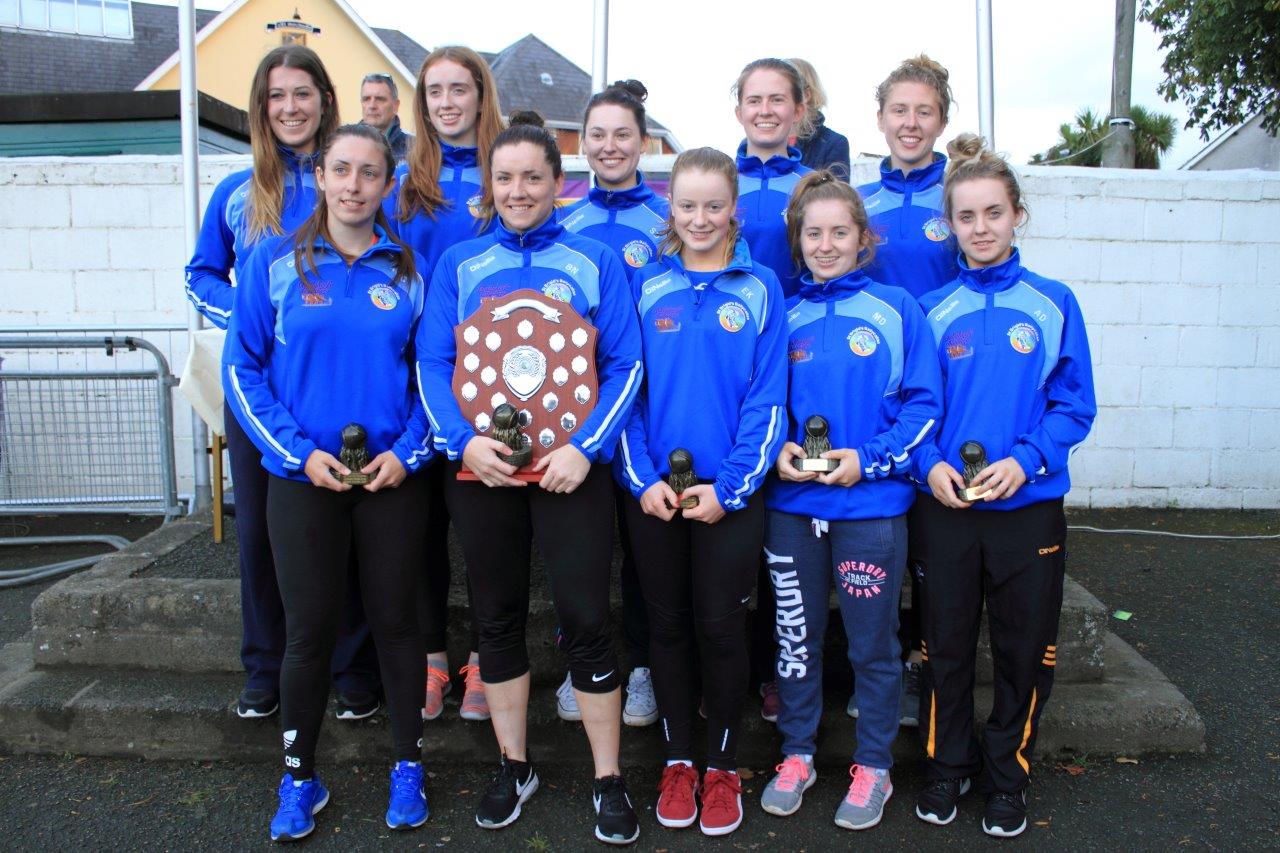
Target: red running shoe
pixel 721 802
pixel 474 704
pixel 677 807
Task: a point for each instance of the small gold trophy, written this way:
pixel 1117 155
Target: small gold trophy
pixel 974 457
pixel 682 476
pixel 353 455
pixel 816 443
pixel 506 428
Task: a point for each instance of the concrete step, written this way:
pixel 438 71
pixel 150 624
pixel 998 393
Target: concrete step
pixel 160 715
pixel 170 602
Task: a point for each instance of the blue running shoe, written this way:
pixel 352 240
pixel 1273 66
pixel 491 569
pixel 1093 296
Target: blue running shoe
pixel 299 801
pixel 407 808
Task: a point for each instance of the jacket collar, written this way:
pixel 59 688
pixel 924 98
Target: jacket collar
pixel 459 156
pixel 532 240
pixel 917 179
pixel 775 166
pixel 305 162
pixel 621 199
pixel 740 262
pixel 837 288
pixel 994 279
pixel 381 243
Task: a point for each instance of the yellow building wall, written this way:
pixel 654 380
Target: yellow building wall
pixel 226 59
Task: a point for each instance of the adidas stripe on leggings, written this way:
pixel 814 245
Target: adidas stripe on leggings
pixel 312 532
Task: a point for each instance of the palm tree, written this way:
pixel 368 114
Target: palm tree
pixel 1080 144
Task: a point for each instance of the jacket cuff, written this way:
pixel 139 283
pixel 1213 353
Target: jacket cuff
pixel 1026 457
pixel 303 451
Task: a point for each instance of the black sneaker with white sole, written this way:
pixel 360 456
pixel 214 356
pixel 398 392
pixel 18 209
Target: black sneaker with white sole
pixel 255 702
pixel 1005 814
pixel 616 821
pixel 937 802
pixel 357 704
pixel 514 783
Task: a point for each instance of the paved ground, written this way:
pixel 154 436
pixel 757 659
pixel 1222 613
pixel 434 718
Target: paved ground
pixel 1205 612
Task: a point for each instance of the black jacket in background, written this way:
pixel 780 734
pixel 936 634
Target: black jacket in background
pixel 825 149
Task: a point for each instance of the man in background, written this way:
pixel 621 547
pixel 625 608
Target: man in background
pixel 380 105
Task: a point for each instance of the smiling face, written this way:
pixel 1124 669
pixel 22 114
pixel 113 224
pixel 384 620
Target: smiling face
pixel 829 239
pixel 911 121
pixel 768 112
pixel 453 102
pixel 983 219
pixel 524 189
pixel 612 144
pixel 702 209
pixel 294 108
pixel 354 179
pixel 377 107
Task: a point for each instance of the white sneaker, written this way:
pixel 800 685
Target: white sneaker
pixel 642 707
pixel 567 702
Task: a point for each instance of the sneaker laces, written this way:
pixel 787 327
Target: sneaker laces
pixel 640 683
pixel 939 786
pixel 613 794
pixel 720 790
pixel 438 676
pixel 791 772
pixel 291 793
pixel 1005 798
pixel 864 782
pixel 677 785
pixel 469 673
pixel 404 781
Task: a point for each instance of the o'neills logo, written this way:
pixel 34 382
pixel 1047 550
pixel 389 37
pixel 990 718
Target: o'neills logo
pixel 861 579
pixel 1052 549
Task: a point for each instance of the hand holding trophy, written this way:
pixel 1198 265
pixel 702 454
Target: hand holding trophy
pixel 974 457
pixel 682 476
pixel 816 443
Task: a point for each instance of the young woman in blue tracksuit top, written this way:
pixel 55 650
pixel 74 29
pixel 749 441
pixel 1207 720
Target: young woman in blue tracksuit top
pixel 861 357
pixel 570 510
pixel 715 386
pixel 292 106
pixel 456 118
pixel 320 338
pixel 622 212
pixel 1018 381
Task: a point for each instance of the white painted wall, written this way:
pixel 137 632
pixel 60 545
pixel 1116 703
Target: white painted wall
pixel 1178 274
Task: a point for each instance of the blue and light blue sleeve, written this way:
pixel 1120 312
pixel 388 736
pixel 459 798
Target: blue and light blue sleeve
pixel 436 353
pixel 208 274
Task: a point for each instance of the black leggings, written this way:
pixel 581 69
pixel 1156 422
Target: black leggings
pixel 312 533
pixel 496 527
pixel 702 574
pixel 433 591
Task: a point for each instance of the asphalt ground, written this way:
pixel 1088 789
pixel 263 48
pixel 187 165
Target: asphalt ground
pixel 1206 612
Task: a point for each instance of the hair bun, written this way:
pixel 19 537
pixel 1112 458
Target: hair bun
pixel 925 63
pixel 529 117
pixel 634 88
pixel 966 146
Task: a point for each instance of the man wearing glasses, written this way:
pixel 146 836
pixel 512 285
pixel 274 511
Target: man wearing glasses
pixel 380 103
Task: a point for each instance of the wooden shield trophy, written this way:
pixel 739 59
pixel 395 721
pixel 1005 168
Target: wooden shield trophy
pixel 535 354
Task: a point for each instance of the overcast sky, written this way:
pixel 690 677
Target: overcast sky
pixel 1051 59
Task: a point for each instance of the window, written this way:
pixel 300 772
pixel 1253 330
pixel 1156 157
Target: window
pixel 87 17
pixel 546 79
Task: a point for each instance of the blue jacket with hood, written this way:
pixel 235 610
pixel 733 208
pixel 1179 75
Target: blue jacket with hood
pixel 763 192
pixel 628 221
pixel 915 250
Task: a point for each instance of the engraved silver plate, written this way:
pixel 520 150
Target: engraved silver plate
pixel 526 418
pixel 582 393
pixel 579 336
pixel 469 391
pixel 488 376
pixel 560 375
pixel 546 438
pixel 471 334
pixel 483 422
pixel 471 362
pixel 556 341
pixel 493 340
pixel 568 421
pixel 550 401
pixel 579 365
pixel 497 400
pixel 524 369
pixel 525 329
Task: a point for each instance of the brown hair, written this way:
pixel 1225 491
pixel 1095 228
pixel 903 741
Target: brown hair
pixel 782 66
pixel 266 186
pixel 815 97
pixel 526 126
pixel 970 159
pixel 317 224
pixel 701 160
pixel 420 190
pixel 919 69
pixel 823 185
pixel 629 94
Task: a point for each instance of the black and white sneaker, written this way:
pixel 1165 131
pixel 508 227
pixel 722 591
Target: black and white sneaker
pixel 615 817
pixel 1005 815
pixel 357 704
pixel 255 702
pixel 937 802
pixel 514 783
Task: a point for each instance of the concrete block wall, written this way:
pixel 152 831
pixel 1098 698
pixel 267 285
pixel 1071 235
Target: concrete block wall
pixel 1178 274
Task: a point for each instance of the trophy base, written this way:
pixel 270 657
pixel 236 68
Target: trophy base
pixel 519 458
pixel 822 466
pixel 971 494
pixel 355 478
pixel 688 503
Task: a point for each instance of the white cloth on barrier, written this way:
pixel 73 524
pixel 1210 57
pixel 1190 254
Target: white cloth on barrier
pixel 202 377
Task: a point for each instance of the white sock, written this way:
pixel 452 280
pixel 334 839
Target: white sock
pixel 680 761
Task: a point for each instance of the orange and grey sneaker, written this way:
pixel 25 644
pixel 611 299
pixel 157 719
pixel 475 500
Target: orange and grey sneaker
pixel 474 704
pixel 721 802
pixel 438 687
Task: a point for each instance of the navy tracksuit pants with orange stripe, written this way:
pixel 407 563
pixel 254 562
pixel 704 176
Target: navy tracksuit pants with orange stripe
pixel 1015 562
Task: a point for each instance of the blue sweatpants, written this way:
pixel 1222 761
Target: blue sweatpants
pixel 865 559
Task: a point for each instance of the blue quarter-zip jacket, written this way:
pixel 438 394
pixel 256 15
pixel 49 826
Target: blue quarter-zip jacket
pixel 455 221
pixel 628 221
pixel 224 245
pixel 1017 376
pixel 565 266
pixel 915 250
pixel 715 377
pixel 763 192
pixel 860 355
pixel 298 366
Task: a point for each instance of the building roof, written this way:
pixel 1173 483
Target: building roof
pixel 406 49
pixel 33 61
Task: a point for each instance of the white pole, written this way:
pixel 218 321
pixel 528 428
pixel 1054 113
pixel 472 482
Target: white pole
pixel 600 46
pixel 191 214
pixel 986 88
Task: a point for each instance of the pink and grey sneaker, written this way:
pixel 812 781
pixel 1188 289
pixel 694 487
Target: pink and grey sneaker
pixel 785 792
pixel 438 687
pixel 863 806
pixel 474 704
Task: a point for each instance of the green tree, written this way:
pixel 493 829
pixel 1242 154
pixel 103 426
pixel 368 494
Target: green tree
pixel 1223 60
pixel 1080 144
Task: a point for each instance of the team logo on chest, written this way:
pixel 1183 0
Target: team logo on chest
pixel 733 316
pixel 1023 337
pixel 473 206
pixel 383 296
pixel 863 341
pixel 559 290
pixel 936 229
pixel 636 253
pixel 799 350
pixel 315 294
